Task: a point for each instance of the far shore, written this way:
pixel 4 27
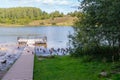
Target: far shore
pixel 11 25
pixel 59 21
pixel 15 25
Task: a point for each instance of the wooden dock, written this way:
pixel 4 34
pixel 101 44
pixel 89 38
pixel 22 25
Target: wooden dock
pixel 22 69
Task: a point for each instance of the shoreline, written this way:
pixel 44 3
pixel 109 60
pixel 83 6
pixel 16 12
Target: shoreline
pixel 34 25
pixel 11 25
pixel 15 25
pixel 8 53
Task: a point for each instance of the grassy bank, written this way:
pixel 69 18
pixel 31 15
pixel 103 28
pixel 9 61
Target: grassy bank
pixel 58 21
pixel 68 68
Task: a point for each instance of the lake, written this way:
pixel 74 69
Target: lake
pixel 56 36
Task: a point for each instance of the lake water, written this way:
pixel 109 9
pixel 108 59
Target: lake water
pixel 56 36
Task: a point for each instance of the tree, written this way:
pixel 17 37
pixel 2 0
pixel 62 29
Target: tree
pixel 99 26
pixel 75 14
pixel 56 14
pixel 45 15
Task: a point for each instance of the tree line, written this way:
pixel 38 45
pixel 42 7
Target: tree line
pixel 23 15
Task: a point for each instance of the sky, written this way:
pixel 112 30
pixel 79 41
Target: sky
pixel 64 6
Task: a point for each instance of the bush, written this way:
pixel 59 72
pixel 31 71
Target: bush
pixel 87 58
pixel 102 53
pixel 42 23
pixel 53 23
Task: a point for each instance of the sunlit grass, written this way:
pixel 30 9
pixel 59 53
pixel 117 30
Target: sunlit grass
pixel 68 68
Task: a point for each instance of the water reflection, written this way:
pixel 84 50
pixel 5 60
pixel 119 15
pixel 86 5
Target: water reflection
pixel 56 36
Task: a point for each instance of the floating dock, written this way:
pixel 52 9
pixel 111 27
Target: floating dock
pixel 32 41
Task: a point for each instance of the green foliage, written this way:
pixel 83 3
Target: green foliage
pixel 45 15
pixel 19 15
pixel 97 30
pixel 53 23
pixel 24 15
pixel 87 58
pixel 75 14
pixel 42 23
pixel 103 53
pixel 56 14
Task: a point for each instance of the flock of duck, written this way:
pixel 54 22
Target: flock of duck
pixel 10 53
pixel 41 51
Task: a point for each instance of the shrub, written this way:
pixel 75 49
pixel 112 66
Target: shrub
pixel 87 58
pixel 53 23
pixel 42 23
pixel 102 53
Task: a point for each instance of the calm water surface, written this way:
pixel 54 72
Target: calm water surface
pixel 56 36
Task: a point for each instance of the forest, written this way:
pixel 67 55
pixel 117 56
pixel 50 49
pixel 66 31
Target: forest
pixel 24 15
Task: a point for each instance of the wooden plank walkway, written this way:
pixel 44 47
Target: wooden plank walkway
pixel 22 69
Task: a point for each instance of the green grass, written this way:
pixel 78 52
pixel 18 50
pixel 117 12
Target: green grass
pixel 68 68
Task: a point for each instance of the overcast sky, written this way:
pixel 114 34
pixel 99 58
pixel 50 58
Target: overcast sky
pixel 64 6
